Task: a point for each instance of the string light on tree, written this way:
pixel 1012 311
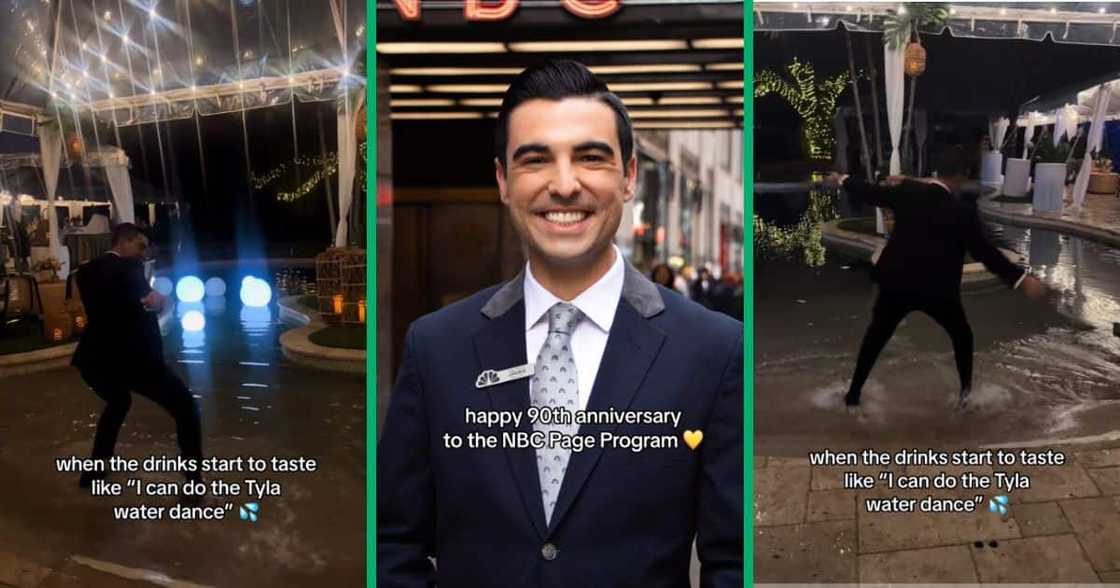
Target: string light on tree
pixel 325 168
pixel 814 102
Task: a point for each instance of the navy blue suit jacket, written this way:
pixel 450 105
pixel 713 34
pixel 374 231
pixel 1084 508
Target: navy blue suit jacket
pixel 622 518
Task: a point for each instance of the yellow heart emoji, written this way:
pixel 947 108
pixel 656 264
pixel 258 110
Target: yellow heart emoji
pixel 693 438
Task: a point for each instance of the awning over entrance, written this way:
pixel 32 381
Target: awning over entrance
pixel 675 64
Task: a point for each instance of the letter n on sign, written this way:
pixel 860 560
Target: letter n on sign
pixel 592 8
pixel 475 10
pixel 408 9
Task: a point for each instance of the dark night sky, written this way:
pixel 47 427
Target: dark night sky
pixel 965 81
pixel 965 75
pixel 224 211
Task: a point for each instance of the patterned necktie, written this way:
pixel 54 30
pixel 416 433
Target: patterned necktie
pixel 555 385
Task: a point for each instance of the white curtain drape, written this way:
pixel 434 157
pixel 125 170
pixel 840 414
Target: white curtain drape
pixel 124 210
pixel 1028 136
pixel 1065 122
pixel 998 131
pixel 921 131
pixel 1096 130
pixel 991 161
pixel 347 164
pixel 895 79
pixel 50 147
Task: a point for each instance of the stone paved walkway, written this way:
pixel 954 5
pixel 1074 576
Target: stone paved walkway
pixel 1064 528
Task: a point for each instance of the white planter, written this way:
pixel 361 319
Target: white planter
pixel 1049 186
pixel 991 162
pixel 1018 178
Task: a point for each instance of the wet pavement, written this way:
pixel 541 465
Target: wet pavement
pixel 253 403
pixel 1047 376
pixel 1048 369
pixel 1063 529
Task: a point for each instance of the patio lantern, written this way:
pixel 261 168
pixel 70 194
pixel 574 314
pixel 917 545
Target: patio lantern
pixel 75 147
pixel 56 335
pixel 915 59
pixel 360 124
pixel 362 311
pixel 79 323
pixel 337 300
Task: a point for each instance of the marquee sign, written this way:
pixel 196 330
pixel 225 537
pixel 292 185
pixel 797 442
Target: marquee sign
pixel 496 10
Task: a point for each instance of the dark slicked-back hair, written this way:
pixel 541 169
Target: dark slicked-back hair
pixel 558 80
pixel 126 232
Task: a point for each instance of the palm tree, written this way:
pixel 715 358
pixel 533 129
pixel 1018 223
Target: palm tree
pixel 859 107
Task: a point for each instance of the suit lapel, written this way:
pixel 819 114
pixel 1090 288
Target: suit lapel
pixel 632 346
pixel 500 345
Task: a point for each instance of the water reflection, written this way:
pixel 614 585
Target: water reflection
pixel 1085 275
pixel 183 308
pixel 215 305
pixel 1044 248
pixel 193 340
pixel 256 320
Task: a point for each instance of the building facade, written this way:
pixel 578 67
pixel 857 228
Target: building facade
pixel 688 209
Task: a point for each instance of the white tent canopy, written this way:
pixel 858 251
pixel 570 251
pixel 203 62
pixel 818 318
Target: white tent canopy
pixel 135 63
pixel 1088 23
pixel 1082 104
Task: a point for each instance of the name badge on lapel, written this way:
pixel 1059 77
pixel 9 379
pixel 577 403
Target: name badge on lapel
pixel 493 377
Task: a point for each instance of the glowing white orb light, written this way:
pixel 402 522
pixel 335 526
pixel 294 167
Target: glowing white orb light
pixel 255 292
pixel 189 289
pixel 163 285
pixel 193 321
pixel 215 286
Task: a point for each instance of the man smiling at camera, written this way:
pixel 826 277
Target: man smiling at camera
pixel 584 337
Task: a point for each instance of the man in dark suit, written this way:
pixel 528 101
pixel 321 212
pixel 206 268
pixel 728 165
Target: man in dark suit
pixel 121 350
pixel 920 268
pixel 585 334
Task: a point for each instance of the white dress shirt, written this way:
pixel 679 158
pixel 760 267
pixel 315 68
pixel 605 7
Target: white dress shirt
pixel 597 303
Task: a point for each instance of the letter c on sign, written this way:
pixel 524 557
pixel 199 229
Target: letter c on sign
pixel 408 9
pixel 500 10
pixel 592 8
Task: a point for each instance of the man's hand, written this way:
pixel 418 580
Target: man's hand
pixel 1033 288
pixel 154 301
pixel 833 180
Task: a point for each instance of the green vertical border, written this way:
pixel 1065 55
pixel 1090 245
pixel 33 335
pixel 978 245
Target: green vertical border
pixel 371 294
pixel 748 295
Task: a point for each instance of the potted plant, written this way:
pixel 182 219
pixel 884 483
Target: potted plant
pixel 1050 172
pixel 1017 179
pixel 48 269
pixel 1102 180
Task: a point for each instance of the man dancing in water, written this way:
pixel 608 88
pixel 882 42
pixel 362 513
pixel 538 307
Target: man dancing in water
pixel 920 267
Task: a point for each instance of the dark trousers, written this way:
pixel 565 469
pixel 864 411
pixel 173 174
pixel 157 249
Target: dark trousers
pixel 157 383
pixel 890 309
